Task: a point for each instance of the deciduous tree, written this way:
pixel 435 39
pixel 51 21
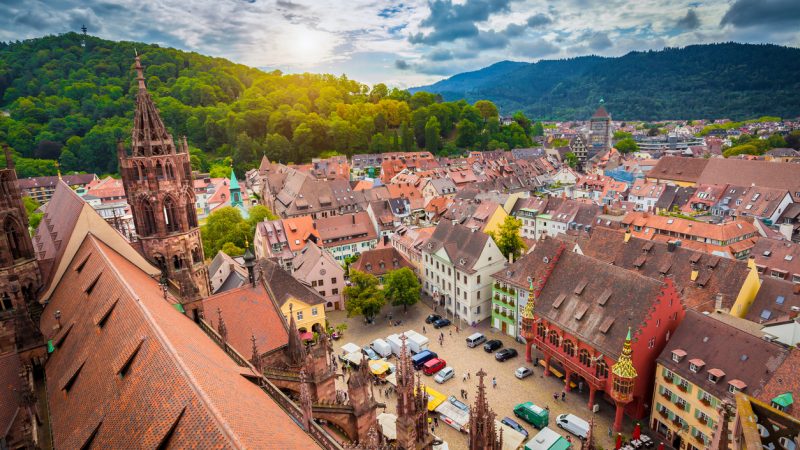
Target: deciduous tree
pixel 401 287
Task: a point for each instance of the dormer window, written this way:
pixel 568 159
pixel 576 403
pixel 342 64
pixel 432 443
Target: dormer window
pixel 735 386
pixel 714 375
pixel 696 365
pixel 678 355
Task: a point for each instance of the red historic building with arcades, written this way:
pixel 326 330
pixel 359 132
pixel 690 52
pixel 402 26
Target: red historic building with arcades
pixel 602 328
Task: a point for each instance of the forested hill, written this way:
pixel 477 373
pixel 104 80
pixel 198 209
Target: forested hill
pixel 60 100
pixel 730 80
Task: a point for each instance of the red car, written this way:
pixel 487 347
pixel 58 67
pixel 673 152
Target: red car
pixel 433 366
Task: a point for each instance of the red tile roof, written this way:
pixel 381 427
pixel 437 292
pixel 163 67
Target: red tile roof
pixel 10 388
pixel 133 369
pixel 248 311
pixel 298 230
pixel 370 261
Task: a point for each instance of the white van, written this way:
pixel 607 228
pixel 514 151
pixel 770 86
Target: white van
pixel 475 340
pixel 382 347
pixel 573 424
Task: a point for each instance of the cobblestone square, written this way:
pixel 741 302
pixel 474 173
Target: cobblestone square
pixel 509 392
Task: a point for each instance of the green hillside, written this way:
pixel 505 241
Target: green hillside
pixel 736 81
pixel 67 102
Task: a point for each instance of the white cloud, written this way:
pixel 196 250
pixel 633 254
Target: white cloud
pixel 344 36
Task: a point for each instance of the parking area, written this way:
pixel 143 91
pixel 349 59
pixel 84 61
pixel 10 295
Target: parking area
pixel 509 391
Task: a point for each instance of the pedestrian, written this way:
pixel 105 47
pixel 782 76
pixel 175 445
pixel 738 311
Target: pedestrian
pixel 494 382
pixel 423 330
pixel 436 421
pixel 610 432
pixel 451 333
pixel 468 376
pixel 441 335
pixel 433 430
pixel 464 380
pixel 456 328
pixel 563 396
pixel 555 396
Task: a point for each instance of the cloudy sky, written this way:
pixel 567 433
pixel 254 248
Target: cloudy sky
pixel 409 42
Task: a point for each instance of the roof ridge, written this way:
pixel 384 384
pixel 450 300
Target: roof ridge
pixel 158 332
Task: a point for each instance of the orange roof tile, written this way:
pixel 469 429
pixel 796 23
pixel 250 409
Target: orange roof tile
pixel 139 371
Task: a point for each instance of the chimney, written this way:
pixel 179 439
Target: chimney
pixel 718 301
pixel 314 224
pixel 671 246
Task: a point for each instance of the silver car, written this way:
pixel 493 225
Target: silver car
pixel 444 375
pixel 523 372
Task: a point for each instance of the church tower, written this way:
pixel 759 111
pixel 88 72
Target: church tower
pixel 20 279
pixel 158 182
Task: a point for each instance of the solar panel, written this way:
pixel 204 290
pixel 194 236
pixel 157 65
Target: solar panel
pixel 766 314
pixel 780 300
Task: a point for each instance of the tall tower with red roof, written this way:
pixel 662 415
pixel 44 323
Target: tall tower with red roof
pixel 157 176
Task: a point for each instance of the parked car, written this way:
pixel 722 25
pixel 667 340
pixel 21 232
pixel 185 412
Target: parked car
pixel 421 358
pixel 523 372
pixel 514 425
pixel 432 318
pixel 505 354
pixel 475 340
pixel 534 415
pixel 444 375
pixel 573 424
pixel 441 323
pixel 492 345
pixel 370 353
pixel 433 366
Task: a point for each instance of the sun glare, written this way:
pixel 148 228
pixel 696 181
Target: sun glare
pixel 305 46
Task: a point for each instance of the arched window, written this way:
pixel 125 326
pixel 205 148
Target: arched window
pixel 569 348
pixel 177 263
pixel 159 170
pixel 5 302
pixel 170 171
pixel 540 330
pixel 171 215
pixel 584 357
pixel 148 219
pixel 554 338
pixel 139 172
pixel 14 238
pixel 191 212
pixel 196 258
pixel 601 369
pixel 161 262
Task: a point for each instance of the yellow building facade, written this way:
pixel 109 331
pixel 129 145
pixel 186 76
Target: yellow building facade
pixel 307 317
pixel 683 411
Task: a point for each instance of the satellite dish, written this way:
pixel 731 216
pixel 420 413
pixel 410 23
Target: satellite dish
pixel 545 260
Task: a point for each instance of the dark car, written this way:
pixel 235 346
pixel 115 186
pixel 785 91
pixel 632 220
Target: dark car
pixel 504 354
pixel 441 323
pixel 514 425
pixel 432 318
pixel 492 345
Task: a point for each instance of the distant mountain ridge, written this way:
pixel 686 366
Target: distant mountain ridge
pixel 727 80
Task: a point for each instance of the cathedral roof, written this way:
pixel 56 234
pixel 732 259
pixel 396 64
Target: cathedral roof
pixel 66 221
pixel 128 367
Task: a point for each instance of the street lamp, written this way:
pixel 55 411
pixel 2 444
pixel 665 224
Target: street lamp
pixel 57 316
